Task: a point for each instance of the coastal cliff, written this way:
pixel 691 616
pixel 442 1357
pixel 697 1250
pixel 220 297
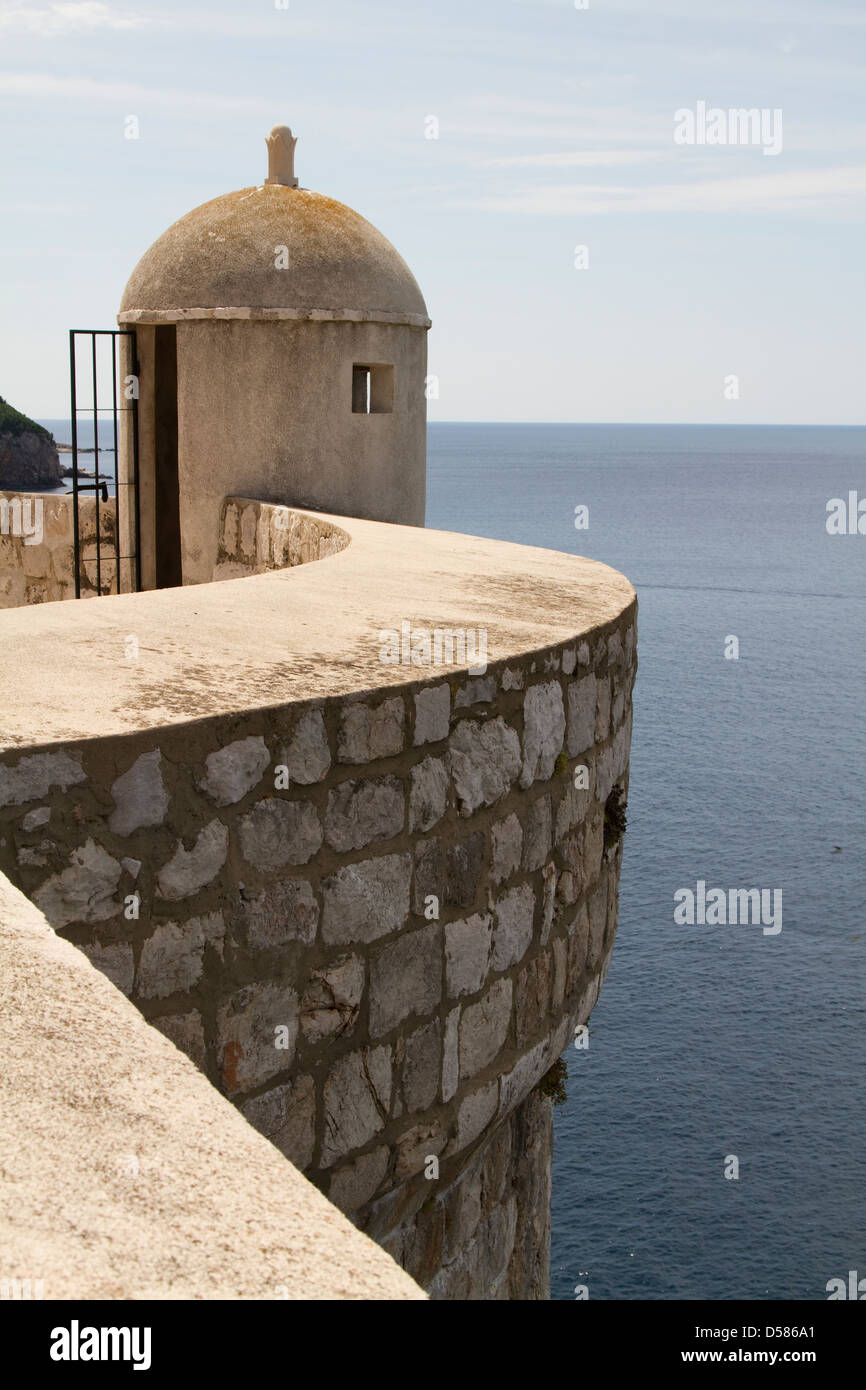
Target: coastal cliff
pixel 28 454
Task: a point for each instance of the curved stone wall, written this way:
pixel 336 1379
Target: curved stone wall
pixel 37 554
pixel 373 918
pixel 259 536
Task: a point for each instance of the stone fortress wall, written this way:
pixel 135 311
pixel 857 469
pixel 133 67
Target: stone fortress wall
pixel 37 563
pixel 37 555
pixel 373 920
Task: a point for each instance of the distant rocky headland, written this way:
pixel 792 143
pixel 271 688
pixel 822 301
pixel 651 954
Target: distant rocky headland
pixel 28 453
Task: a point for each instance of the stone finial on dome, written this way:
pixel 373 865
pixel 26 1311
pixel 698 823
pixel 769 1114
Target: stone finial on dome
pixel 281 156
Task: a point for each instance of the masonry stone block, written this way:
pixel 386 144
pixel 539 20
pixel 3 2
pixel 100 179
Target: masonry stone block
pixel 188 871
pixel 278 913
pixel 432 714
pixel 428 794
pixel 332 999
pixel 172 958
pixel 277 833
pixel 32 777
pixel 467 953
pixel 484 1028
pixel 543 731
pixel 365 901
pixel 406 978
pixel 582 700
pixel 307 756
pixel 507 848
pixel 257 1031
pixel 512 936
pixel 484 760
pixel 84 892
pixel 361 812
pixel 287 1116
pixel 140 797
pixel 368 732
pixel 233 771
pixel 357 1097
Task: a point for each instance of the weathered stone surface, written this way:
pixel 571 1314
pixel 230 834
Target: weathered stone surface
pixel 414 1147
pixel 332 999
pixel 115 960
pixel 464 864
pixel 360 812
pixel 602 714
pixel 187 1034
pixel 276 833
pixel 84 891
pixel 365 901
pixel 507 843
pixel 368 732
pixel 33 819
pixel 421 1067
pixel 140 797
pixel 578 944
pixel 548 900
pixel 560 973
pixel 35 854
pixel 253 1045
pixel 307 756
pixel 532 998
pixel 516 1084
pixel 281 912
pixel 467 953
pixel 355 1183
pixel 406 978
pixel 191 869
pixel 33 776
pixel 451 1055
pixel 484 760
pixel 537 833
pixel 582 698
pixel 172 959
pixel 233 771
pixel 593 844
pixel 428 794
pixel 287 1116
pixel 474 1115
pixel 513 932
pixel 597 923
pixel 543 731
pixel 512 679
pixel 484 1028
pixel 476 692
pixel 453 875
pixel 357 1097
pixel 432 714
pixel 573 806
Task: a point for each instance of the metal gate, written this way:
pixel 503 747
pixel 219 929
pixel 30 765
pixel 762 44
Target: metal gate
pixel 106 529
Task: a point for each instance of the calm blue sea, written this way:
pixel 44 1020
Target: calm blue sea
pixel 713 1041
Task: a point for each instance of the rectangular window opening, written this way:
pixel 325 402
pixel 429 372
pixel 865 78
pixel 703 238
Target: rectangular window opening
pixel 372 389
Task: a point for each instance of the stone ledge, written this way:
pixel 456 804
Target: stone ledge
pixel 308 632
pixel 127 1176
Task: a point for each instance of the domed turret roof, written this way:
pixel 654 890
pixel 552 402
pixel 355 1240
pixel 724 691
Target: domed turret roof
pixel 221 259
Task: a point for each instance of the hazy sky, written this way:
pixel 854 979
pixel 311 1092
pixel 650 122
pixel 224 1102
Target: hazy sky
pixel 556 130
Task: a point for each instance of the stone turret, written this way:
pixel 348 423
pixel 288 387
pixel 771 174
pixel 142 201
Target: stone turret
pixel 282 348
